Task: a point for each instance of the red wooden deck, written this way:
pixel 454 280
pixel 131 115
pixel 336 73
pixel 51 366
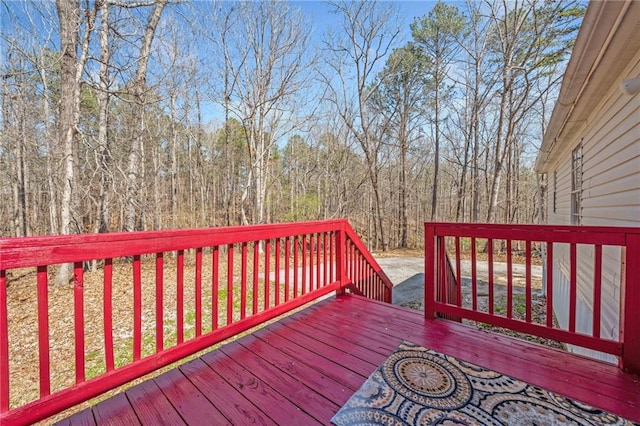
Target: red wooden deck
pixel 302 369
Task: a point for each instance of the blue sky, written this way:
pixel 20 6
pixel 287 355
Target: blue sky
pixel 322 19
pixel 320 13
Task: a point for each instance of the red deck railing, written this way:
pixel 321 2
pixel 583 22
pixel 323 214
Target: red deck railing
pixel 223 281
pixel 443 294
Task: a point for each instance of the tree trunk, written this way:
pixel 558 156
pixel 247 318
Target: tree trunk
pixel 102 219
pixel 69 18
pixel 139 86
pixel 436 155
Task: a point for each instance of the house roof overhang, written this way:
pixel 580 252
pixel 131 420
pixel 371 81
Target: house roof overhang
pixel 608 39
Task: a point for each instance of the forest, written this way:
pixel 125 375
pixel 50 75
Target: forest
pixel 122 115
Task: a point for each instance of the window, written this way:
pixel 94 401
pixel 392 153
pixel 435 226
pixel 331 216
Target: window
pixel 555 191
pixel 576 186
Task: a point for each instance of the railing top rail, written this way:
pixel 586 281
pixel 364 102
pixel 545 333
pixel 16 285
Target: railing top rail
pixel 606 235
pixel 48 250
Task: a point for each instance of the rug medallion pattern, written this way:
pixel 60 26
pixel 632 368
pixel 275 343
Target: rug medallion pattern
pixel 418 386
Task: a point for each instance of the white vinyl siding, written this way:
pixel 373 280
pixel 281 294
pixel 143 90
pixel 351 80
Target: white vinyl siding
pixel 610 141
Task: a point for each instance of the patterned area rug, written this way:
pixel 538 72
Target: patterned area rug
pixel 418 386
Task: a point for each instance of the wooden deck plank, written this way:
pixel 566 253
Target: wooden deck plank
pixel 151 405
pixel 304 367
pixel 260 393
pixel 338 341
pixel 188 401
pixel 232 404
pixel 330 388
pixel 315 350
pixel 349 378
pixel 380 342
pixel 359 366
pixel 115 411
pixel 306 398
pixel 82 418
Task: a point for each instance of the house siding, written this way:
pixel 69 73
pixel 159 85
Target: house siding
pixel 610 197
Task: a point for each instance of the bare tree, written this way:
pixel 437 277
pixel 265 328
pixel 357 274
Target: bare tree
pixel 268 62
pixel 369 34
pixel 139 88
pixel 74 38
pixel 436 33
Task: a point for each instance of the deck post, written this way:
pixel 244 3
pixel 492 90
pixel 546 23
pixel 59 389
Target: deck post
pixel 341 242
pixel 429 271
pixel 630 317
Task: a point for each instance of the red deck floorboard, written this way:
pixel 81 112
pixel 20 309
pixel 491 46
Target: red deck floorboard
pixel 231 403
pixel 151 405
pixel 329 388
pixel 297 393
pixel 188 401
pixel 348 378
pixel 303 368
pixel 82 418
pixel 115 411
pixel 262 394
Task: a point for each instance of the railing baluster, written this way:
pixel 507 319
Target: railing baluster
pixel 78 314
pixel 137 308
pixel 458 274
pixel 332 257
pixel 573 287
pixel 474 277
pixel 549 285
pixel 243 282
pixel 509 282
pixel 597 290
pixel 311 283
pixel 4 344
pixel 528 280
pixel 340 259
pixel 304 265
pixel 287 280
pixel 358 268
pixel 295 266
pixel 107 302
pixel 443 270
pixel 490 273
pixel 198 292
pixel 319 250
pixel 159 302
pixel 256 246
pixel 352 262
pixel 356 261
pixel 325 277
pixel 277 271
pixel 43 331
pixel 230 284
pixel 180 298
pixel 267 279
pixel 215 286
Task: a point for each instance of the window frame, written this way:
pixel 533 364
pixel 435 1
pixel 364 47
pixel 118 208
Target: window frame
pixel 576 185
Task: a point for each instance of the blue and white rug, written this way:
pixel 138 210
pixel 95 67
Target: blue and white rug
pixel 418 386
